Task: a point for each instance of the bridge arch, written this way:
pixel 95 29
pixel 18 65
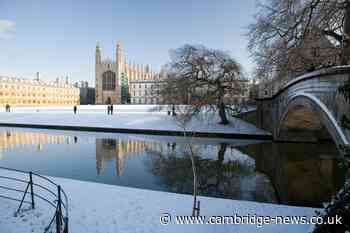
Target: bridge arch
pixel 306 118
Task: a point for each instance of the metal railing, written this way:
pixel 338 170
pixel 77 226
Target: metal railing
pixel 38 187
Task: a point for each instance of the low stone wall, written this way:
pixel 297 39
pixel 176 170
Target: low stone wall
pixel 250 116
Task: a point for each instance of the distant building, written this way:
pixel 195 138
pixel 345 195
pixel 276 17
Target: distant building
pixel 113 78
pixel 25 92
pixel 239 93
pixel 253 90
pixel 146 91
pixel 87 94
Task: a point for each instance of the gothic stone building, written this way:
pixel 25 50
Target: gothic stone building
pixel 113 78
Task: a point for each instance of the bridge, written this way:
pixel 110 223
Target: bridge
pixel 307 108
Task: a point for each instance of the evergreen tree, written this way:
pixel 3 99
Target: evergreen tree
pixel 124 88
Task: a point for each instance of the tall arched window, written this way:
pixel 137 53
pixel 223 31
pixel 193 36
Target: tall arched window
pixel 108 80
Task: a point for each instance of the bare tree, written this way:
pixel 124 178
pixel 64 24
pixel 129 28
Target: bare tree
pixel 183 118
pixel 205 79
pixel 174 92
pixel 283 26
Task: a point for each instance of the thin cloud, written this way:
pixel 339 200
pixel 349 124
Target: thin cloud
pixel 6 27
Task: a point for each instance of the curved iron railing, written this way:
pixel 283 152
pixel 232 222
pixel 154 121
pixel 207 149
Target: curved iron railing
pixel 38 187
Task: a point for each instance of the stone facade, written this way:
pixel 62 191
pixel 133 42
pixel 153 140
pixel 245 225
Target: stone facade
pixel 146 91
pixel 25 92
pixel 239 93
pixel 87 94
pixel 113 78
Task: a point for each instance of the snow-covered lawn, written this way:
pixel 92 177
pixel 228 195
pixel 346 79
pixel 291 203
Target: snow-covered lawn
pixel 91 108
pixel 125 117
pixel 105 208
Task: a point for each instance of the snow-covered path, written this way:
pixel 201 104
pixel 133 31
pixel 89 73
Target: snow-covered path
pixel 126 119
pixel 95 208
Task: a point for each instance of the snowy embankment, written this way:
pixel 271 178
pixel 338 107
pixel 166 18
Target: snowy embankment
pixel 141 117
pixel 105 208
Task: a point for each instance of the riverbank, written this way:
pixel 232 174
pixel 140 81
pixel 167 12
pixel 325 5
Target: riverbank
pixel 106 208
pixel 144 120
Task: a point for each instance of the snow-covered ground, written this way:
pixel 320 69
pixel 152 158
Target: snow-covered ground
pixel 105 208
pixel 102 109
pixel 126 117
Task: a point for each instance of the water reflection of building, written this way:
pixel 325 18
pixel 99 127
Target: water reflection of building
pixel 108 149
pixel 9 139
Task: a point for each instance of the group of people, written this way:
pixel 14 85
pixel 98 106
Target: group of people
pixel 7 108
pixel 75 109
pixel 110 109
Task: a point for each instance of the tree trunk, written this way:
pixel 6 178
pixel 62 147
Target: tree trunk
pixel 345 59
pixel 221 154
pixel 219 164
pixel 221 107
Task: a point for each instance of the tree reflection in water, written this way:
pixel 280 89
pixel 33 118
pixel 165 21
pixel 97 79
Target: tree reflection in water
pixel 221 172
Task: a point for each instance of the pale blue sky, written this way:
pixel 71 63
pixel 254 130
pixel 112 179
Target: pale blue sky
pixel 58 38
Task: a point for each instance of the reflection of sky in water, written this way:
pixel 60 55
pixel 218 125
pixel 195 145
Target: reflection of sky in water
pixel 225 168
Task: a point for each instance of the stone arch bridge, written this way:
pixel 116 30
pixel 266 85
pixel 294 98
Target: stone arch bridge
pixel 308 108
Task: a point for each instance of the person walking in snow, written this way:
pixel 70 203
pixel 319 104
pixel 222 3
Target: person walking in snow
pixel 108 109
pixel 111 109
pixel 75 109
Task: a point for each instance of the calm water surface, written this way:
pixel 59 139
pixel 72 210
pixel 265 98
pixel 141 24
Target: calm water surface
pixel 288 173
